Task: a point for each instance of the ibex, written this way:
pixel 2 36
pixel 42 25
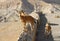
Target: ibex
pixel 47 30
pixel 27 19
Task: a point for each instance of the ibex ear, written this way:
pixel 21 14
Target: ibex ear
pixel 21 11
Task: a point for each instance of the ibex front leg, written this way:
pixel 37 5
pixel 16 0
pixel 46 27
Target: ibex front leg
pixel 25 29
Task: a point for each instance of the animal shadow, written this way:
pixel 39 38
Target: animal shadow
pixel 40 36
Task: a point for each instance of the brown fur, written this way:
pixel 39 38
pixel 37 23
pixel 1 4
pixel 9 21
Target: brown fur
pixel 47 30
pixel 27 19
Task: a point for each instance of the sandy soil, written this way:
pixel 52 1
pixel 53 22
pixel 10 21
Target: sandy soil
pixel 10 31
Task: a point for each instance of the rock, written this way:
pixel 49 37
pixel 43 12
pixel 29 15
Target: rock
pixel 45 7
pixel 14 31
pixel 7 9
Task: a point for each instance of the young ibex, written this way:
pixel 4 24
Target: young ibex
pixel 47 30
pixel 27 19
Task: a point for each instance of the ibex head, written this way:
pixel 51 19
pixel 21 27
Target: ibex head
pixel 21 12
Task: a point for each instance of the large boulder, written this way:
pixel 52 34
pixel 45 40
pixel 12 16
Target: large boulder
pixel 14 31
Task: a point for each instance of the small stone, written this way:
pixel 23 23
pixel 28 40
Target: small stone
pixel 57 16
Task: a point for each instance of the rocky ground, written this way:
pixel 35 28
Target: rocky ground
pixel 9 18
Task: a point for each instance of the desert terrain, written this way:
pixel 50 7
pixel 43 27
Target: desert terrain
pixel 11 27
